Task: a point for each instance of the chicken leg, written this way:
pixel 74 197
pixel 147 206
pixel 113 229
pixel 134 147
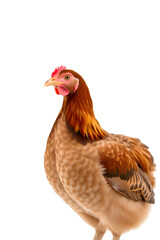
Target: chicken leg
pixel 115 236
pixel 98 235
pixel 100 230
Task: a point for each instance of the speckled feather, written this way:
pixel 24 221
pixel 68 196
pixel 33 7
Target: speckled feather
pixel 106 178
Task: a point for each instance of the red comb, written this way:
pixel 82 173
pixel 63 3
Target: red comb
pixel 57 71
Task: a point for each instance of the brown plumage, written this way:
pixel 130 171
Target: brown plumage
pixel 106 178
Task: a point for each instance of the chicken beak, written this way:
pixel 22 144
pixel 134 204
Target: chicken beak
pixel 52 82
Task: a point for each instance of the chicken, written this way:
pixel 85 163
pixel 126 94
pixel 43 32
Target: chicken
pixel 106 178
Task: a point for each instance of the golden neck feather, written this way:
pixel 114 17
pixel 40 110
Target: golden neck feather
pixel 78 110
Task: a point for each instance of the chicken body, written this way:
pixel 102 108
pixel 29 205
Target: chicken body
pixel 79 171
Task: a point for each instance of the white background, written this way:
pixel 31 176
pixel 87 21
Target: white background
pixel 115 46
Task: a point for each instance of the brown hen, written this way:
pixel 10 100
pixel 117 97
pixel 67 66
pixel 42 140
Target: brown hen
pixel 106 178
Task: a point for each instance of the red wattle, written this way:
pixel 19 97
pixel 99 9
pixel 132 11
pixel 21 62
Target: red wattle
pixel 63 90
pixel 57 92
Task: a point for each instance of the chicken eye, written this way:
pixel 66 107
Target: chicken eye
pixel 67 77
